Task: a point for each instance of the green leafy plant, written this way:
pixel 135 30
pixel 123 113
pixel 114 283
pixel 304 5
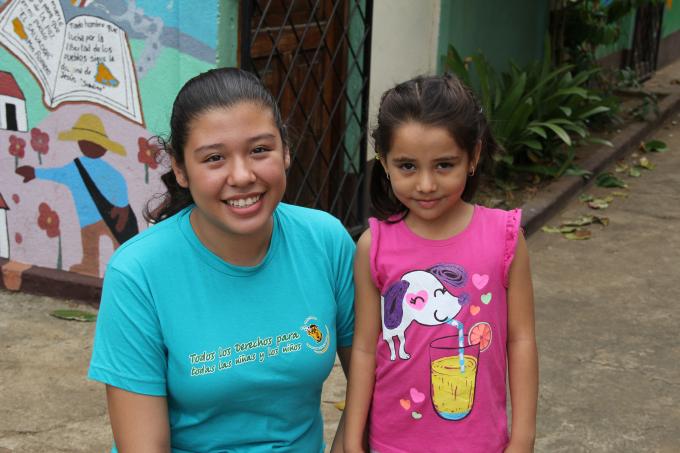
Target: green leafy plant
pixel 538 112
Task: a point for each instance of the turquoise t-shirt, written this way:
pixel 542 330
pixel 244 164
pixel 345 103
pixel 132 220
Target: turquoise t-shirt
pixel 240 353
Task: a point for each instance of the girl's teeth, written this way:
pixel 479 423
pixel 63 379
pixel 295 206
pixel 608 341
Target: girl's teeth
pixel 243 202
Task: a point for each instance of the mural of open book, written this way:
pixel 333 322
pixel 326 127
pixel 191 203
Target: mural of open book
pixel 86 59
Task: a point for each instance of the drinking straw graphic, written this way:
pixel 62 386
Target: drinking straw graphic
pixel 461 343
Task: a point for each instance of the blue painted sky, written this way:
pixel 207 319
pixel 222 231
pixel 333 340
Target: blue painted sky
pixel 193 12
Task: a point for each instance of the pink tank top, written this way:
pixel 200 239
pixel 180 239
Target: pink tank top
pixel 441 356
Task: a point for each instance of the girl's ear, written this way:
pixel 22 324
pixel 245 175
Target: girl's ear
pixel 286 157
pixel 381 158
pixel 180 173
pixel 477 152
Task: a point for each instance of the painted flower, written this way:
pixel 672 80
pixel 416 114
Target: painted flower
pixel 48 220
pixel 15 198
pixel 17 146
pixel 18 238
pixel 40 142
pixel 148 152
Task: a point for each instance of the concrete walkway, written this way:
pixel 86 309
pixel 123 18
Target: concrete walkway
pixel 607 320
pixel 606 315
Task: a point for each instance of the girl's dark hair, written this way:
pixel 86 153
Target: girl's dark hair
pixel 213 89
pixel 439 101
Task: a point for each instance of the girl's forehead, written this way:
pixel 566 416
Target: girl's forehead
pixel 415 139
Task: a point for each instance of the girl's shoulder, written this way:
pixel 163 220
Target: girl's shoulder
pixel 313 229
pixel 509 219
pixel 308 219
pixel 150 245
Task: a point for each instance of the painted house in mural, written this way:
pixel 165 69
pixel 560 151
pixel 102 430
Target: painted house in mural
pixel 12 104
pixel 4 232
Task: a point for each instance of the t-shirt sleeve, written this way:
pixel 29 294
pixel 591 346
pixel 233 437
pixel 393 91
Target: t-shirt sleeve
pixel 128 351
pixel 344 288
pixel 512 226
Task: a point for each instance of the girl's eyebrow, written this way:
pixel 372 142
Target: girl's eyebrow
pixel 448 159
pixel 210 147
pixel 263 136
pixel 220 146
pixel 399 160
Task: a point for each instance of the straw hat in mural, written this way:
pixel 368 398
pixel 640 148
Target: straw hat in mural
pixel 90 128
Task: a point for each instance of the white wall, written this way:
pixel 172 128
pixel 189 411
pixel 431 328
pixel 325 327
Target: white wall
pixel 4 235
pixel 403 45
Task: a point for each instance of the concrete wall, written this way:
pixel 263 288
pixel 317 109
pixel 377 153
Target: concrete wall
pixel 403 45
pixel 118 63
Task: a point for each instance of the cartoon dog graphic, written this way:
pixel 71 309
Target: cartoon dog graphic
pixel 422 297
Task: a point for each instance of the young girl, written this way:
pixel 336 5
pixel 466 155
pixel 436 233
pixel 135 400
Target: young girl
pixel 443 289
pixel 219 324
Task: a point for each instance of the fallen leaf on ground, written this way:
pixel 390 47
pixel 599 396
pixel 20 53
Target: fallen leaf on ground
pixel 634 172
pixel 655 146
pixel 585 197
pixel 585 220
pixel 599 203
pixel 618 193
pixel 646 164
pixel 608 179
pixel 578 235
pixel 560 229
pixel 621 167
pixel 74 315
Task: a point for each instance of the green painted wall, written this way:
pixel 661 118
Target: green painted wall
pixel 669 25
pixel 671 19
pixel 227 33
pixel 502 29
pixel 625 40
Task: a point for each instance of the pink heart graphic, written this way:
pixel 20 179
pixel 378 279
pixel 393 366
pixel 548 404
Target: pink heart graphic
pixel 474 309
pixel 418 300
pixel 406 404
pixel 480 281
pixel 417 396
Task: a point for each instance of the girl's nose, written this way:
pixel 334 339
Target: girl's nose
pixel 426 183
pixel 240 173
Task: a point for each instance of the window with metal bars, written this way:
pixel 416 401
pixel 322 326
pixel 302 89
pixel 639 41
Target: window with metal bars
pixel 642 57
pixel 314 57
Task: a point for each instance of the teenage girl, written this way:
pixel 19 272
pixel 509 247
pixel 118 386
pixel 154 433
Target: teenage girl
pixel 219 324
pixel 444 300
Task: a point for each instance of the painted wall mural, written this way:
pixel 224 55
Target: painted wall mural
pixel 84 85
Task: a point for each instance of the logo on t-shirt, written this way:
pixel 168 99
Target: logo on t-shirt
pixel 318 333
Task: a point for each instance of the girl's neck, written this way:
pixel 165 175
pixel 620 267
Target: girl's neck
pixel 443 227
pixel 238 250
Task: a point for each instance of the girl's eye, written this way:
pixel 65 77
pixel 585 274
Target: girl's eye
pixel 259 150
pixel 213 158
pixel 407 166
pixel 445 165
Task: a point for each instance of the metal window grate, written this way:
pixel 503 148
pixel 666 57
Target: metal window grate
pixel 643 55
pixel 314 57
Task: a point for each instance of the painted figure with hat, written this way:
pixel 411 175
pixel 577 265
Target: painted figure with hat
pixel 99 191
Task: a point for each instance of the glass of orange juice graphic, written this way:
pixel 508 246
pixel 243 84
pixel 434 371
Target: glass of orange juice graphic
pixel 453 385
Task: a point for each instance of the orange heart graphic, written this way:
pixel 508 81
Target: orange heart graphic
pixel 406 404
pixel 474 309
